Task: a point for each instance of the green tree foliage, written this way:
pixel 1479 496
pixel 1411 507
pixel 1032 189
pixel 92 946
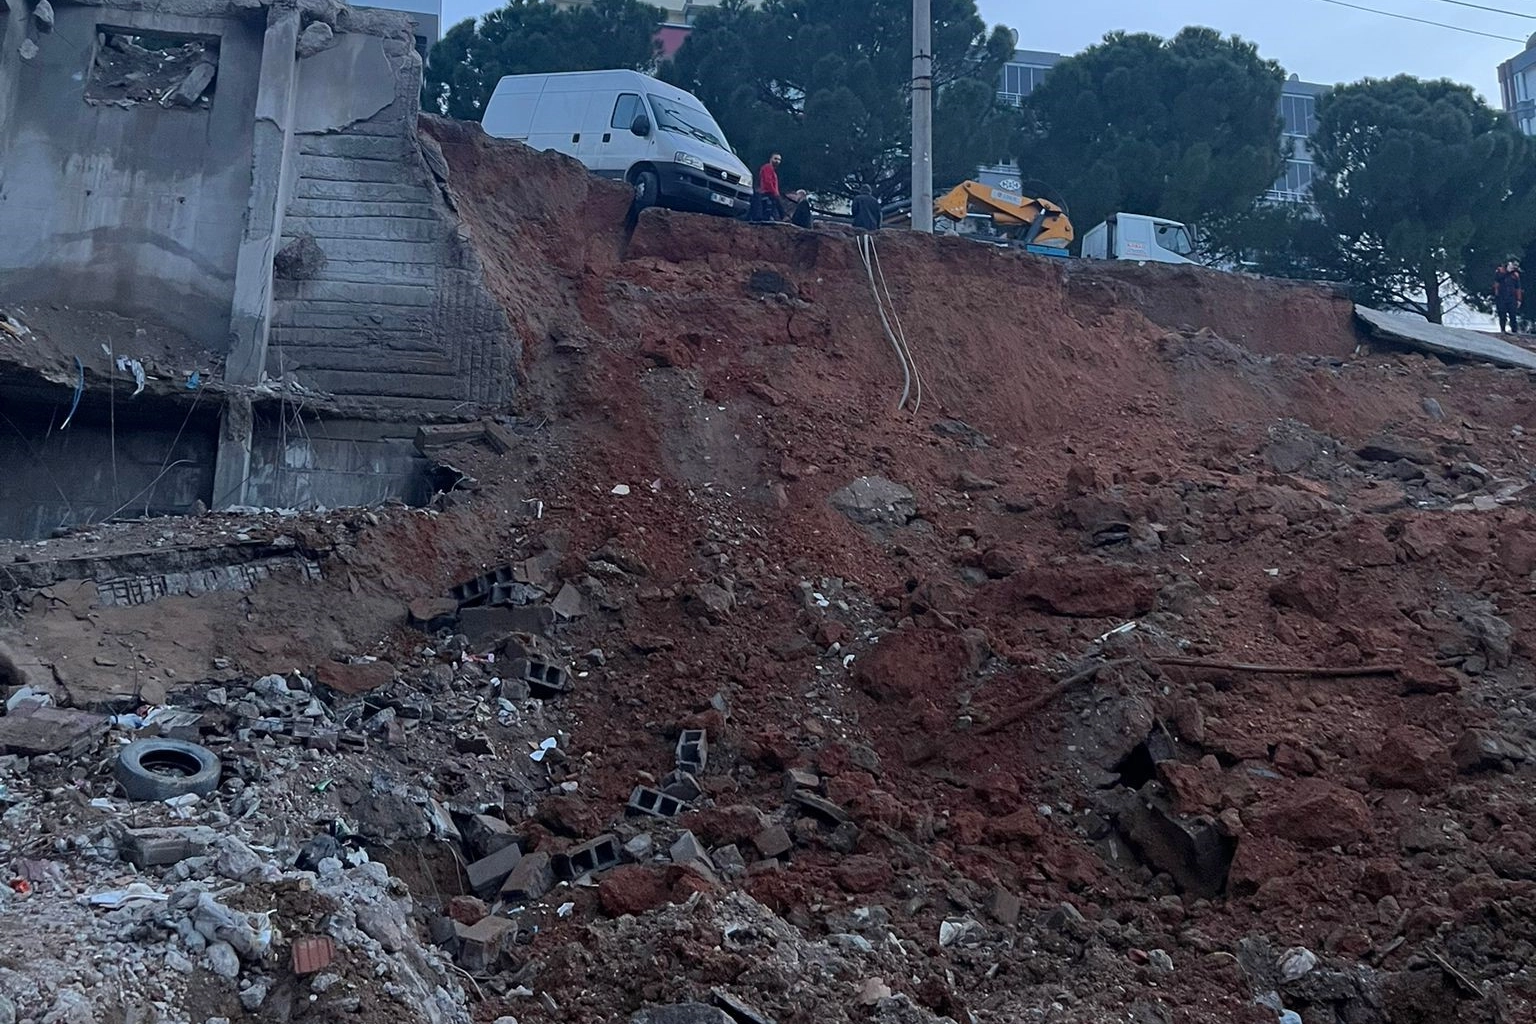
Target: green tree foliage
pixel 1185 128
pixel 1424 187
pixel 533 36
pixel 826 83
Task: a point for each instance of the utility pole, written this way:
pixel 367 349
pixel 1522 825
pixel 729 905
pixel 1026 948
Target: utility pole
pixel 922 117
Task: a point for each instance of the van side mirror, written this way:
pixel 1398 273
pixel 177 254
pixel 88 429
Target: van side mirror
pixel 641 125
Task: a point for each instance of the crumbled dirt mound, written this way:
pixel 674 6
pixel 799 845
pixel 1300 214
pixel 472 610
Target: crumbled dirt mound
pixel 1040 770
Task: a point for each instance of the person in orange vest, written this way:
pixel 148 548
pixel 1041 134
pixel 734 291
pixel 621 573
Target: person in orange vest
pixel 1508 295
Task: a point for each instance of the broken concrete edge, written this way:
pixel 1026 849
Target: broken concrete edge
pixel 1440 340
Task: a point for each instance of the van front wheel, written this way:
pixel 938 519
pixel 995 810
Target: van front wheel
pixel 647 189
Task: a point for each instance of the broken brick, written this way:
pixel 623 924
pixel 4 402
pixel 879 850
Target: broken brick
pixel 312 953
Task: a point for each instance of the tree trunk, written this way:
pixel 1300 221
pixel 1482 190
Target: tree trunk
pixel 1434 308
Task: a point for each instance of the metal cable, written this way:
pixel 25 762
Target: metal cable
pixel 866 246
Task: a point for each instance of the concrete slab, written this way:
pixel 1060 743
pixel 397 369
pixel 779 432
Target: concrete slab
pixel 1440 340
pixel 50 731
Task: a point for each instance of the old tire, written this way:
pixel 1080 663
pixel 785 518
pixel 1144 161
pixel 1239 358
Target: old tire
pixel 647 189
pixel 161 769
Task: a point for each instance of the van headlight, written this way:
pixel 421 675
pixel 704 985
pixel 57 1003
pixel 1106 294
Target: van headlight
pixel 688 160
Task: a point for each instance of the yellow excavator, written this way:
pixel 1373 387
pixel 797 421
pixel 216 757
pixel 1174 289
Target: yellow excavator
pixel 1039 225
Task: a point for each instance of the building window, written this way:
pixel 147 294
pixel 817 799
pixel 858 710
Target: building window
pixel 1299 114
pixel 1295 185
pixel 1019 80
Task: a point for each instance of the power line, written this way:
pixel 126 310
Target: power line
pixel 1491 10
pixel 1421 21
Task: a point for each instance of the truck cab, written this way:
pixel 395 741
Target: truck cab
pixel 1134 236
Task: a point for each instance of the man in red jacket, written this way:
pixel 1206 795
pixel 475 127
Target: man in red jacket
pixel 768 189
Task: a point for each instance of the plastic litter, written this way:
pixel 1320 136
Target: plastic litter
pixel 544 748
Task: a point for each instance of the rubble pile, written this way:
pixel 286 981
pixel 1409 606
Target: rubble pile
pixel 1143 675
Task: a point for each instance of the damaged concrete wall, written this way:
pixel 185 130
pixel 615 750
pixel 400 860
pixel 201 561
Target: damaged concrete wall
pixel 384 299
pixel 313 463
pixel 247 173
pixel 141 464
pixel 126 205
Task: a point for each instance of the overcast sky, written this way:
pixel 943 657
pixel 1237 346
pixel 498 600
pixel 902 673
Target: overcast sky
pixel 1319 41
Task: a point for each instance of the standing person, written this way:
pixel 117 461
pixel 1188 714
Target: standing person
pixel 1508 296
pixel 867 211
pixel 801 218
pixel 768 189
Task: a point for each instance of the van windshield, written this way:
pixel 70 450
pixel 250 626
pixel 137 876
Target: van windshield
pixel 672 116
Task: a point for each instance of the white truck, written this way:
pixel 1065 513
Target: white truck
pixel 1134 236
pixel 628 126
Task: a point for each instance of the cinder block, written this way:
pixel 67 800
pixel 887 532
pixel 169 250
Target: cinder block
pixel 533 877
pixel 489 872
pixel 648 801
pixel 692 751
pixel 599 854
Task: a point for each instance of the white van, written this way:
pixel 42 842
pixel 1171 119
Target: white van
pixel 625 125
pixel 1135 236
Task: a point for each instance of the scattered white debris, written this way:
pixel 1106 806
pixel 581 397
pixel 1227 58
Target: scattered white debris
pixel 543 748
pixel 620 489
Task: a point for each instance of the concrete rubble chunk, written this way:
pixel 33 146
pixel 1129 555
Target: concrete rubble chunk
pixel 1003 906
pixel 300 260
pixel 43 15
pixel 486 835
pixel 798 778
pixel 1480 750
pixel 533 877
pixel 27 49
pixel 481 943
pixel 820 806
pixel 682 1013
pixel 157 847
pixel 742 1012
pixel 487 874
pixel 191 88
pixel 730 861
pixel 773 841
pixel 568 604
pixel 876 501
pixel 688 850
pixel 31 730
pixel 315 38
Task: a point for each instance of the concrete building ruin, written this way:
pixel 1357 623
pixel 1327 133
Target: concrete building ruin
pixel 231 275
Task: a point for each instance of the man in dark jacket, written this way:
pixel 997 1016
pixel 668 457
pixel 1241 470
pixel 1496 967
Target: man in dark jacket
pixel 1507 296
pixel 867 212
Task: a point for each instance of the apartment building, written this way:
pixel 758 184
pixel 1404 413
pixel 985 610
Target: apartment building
pixel 1517 84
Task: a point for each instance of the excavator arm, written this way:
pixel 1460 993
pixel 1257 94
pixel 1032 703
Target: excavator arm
pixel 1033 221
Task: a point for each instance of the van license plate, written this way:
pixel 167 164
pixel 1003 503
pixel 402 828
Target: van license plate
pixel 722 200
